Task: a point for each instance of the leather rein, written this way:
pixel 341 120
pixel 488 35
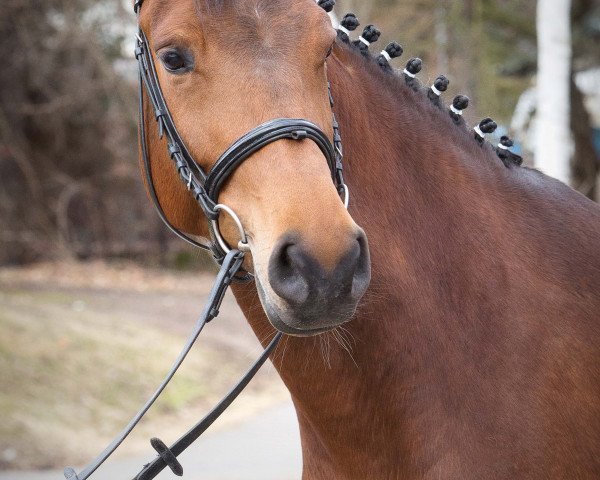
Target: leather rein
pixel 205 188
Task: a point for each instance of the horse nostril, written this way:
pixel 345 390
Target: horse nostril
pixel 352 275
pixel 362 270
pixel 299 279
pixel 287 272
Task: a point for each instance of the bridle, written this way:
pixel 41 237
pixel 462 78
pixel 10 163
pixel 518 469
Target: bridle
pixel 205 188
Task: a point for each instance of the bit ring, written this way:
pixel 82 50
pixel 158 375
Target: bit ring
pixel 346 195
pixel 243 243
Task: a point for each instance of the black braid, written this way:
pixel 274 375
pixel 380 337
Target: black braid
pixel 371 35
pixel 394 50
pixel 460 103
pixel 326 5
pixel 509 159
pixel 413 67
pixel 350 23
pixel 441 84
pixel 506 142
pixel 487 125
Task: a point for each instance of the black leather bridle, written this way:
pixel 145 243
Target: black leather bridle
pixel 205 188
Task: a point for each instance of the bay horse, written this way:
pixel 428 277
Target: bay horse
pixel 475 353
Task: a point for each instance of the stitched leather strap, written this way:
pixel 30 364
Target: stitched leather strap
pixel 259 137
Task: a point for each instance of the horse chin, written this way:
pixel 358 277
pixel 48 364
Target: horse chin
pixel 288 324
pixel 283 327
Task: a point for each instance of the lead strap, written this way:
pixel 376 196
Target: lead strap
pixel 231 264
pixel 168 456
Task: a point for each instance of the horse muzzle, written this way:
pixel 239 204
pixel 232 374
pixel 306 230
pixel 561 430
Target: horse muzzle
pixel 308 299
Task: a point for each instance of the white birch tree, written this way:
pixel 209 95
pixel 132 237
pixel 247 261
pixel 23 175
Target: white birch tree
pixel 553 143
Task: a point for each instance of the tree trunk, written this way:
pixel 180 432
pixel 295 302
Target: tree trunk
pixel 553 144
pixel 585 166
pixel 441 39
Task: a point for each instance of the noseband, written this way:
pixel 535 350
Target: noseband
pixel 205 187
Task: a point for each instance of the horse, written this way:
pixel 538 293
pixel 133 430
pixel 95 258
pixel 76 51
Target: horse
pixel 462 339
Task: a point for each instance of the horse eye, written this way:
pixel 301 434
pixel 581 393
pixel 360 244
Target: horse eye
pixel 174 61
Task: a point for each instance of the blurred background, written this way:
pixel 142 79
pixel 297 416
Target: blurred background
pixel 96 297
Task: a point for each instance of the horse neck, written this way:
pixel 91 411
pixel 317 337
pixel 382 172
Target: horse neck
pixel 413 177
pixel 435 208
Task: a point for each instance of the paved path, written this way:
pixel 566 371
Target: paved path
pixel 266 447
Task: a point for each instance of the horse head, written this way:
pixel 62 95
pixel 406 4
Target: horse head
pixel 225 68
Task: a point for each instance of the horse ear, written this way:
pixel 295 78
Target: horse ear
pixel 460 103
pixel 439 86
pixel 348 24
pixel 326 5
pixel 486 126
pixel 413 67
pixel 370 35
pixel 393 50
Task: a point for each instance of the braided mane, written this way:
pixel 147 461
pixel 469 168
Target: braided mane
pixel 406 79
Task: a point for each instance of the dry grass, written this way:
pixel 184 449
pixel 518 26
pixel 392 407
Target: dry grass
pixel 79 355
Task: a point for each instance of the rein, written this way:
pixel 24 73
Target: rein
pixel 229 268
pixel 205 188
